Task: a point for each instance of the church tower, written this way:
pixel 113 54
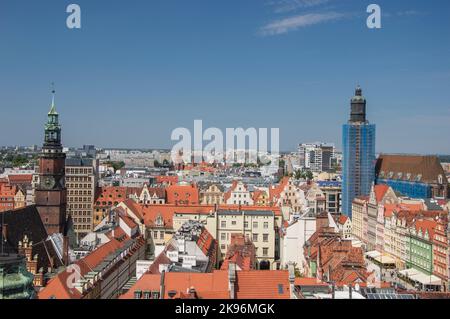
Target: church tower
pixel 50 193
pixel 358 149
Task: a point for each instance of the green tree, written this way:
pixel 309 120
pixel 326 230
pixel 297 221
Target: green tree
pixel 19 160
pixel 116 165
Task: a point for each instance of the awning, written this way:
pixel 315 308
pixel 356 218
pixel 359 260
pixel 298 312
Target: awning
pixel 373 254
pixel 420 277
pixel 385 260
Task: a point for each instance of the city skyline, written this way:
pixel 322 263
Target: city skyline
pixel 245 70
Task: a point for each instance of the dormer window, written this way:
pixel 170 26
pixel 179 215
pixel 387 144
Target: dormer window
pixel 440 179
pixel 391 174
pixel 159 221
pixel 418 177
pixel 408 176
pixel 399 175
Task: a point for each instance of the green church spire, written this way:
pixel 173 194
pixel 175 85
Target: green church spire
pixel 52 127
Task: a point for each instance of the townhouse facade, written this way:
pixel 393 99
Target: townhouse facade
pixel 212 195
pixel 239 194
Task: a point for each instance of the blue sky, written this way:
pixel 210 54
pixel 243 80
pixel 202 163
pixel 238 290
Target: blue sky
pixel 138 69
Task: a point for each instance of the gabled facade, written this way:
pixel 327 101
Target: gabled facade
pixel 239 194
pixel 212 195
pixel 287 194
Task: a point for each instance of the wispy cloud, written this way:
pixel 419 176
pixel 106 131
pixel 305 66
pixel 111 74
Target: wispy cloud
pixel 300 21
pixel 283 6
pixel 406 13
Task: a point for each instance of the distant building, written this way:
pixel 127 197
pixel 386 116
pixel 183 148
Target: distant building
pixel 316 157
pixel 81 183
pixel 414 176
pixel 359 153
pixel 332 191
pixel 316 199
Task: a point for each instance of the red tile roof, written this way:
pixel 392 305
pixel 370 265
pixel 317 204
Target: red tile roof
pixel 262 284
pixel 274 192
pixel 342 219
pixel 426 225
pixel 182 194
pixel 389 209
pixel 380 191
pixel 167 179
pixel 112 194
pixel 20 178
pixel 57 287
pixel 207 285
pixel 241 252
pixel 257 284
pixel 309 282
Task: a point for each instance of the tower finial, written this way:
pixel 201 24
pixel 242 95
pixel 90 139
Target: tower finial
pixel 53 108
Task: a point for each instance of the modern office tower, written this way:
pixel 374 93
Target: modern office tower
pixel 358 138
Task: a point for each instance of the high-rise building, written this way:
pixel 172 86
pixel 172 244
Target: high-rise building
pixel 81 182
pixel 316 157
pixel 50 193
pixel 358 140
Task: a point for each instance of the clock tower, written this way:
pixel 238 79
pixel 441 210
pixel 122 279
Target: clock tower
pixel 50 193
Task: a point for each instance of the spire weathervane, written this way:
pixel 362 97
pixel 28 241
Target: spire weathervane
pixel 53 109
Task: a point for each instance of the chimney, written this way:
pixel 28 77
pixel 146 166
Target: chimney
pixel 162 285
pixel 232 279
pixel 291 270
pixel 322 221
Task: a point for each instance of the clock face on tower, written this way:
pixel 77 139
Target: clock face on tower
pixel 48 182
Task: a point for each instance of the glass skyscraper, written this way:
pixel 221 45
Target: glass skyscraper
pixel 358 139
